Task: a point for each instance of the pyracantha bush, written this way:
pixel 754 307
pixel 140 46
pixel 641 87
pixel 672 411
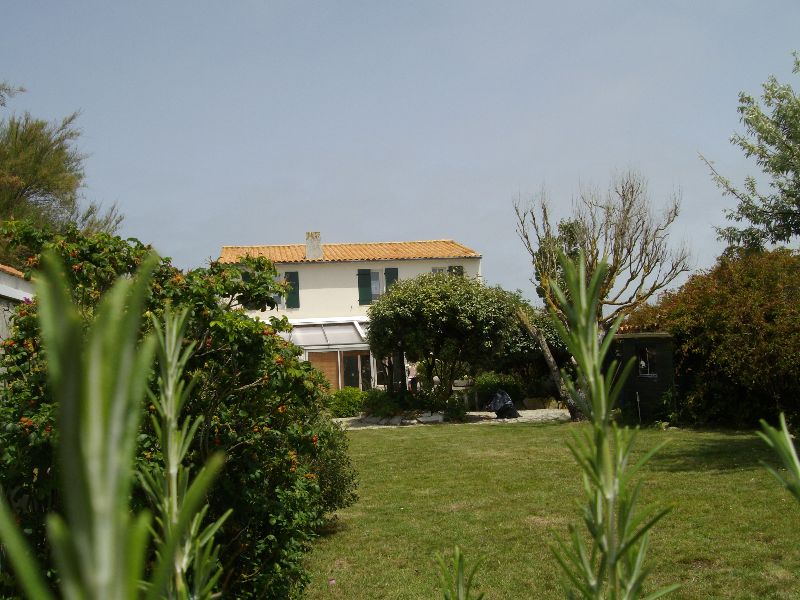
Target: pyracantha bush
pixel 736 329
pixel 286 465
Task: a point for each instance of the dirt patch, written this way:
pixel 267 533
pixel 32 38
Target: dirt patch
pixel 545 521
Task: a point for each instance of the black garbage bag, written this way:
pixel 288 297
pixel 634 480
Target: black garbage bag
pixel 502 405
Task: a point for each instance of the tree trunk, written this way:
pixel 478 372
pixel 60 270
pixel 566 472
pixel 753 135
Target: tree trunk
pixel 574 412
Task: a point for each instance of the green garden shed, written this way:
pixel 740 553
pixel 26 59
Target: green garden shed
pixel 647 394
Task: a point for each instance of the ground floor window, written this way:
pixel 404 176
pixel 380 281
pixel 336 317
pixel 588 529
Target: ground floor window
pixel 344 368
pixel 356 370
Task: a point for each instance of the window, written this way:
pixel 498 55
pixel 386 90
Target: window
pixel 456 270
pixel 372 284
pixel 292 299
pixel 356 370
pixel 646 361
pixel 375 287
pixel 452 270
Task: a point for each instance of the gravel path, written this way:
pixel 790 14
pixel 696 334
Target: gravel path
pixel 543 415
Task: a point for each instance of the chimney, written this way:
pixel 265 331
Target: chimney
pixel 313 245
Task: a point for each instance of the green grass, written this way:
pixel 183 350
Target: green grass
pixel 508 492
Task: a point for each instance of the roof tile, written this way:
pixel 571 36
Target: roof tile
pixel 296 253
pixel 11 271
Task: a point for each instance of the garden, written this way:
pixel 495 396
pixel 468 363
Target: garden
pixel 507 493
pixel 158 441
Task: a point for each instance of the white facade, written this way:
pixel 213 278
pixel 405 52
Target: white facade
pixel 330 289
pixel 333 286
pixel 13 290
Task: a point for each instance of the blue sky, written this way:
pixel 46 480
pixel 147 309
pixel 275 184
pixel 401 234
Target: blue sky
pixel 252 122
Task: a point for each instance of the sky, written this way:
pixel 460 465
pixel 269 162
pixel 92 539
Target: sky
pixel 252 122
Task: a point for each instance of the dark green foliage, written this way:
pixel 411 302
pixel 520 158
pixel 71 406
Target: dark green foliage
pixel 487 385
pixel 330 462
pixel 522 355
pixel 347 402
pixel 379 403
pixel 443 322
pixel 737 339
pixel 455 409
pixel 286 467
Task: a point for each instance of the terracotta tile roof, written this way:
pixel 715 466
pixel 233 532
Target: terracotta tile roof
pixel 296 253
pixel 11 271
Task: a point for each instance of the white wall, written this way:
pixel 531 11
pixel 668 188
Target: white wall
pixel 12 290
pixel 331 289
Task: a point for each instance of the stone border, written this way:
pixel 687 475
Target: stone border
pixel 541 415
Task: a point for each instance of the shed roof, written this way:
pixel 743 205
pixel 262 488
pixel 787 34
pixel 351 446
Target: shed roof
pixel 11 271
pixel 296 253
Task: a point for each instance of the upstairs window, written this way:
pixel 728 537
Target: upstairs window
pixel 372 284
pixel 375 284
pixel 456 270
pixel 451 270
pixel 292 299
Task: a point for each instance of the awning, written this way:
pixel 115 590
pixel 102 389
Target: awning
pixel 6 291
pixel 332 335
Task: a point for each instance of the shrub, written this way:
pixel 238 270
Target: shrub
pixel 736 339
pixel 286 468
pixel 455 409
pixel 379 403
pixel 347 402
pixel 446 324
pixel 487 384
pixel 102 548
pixel 334 473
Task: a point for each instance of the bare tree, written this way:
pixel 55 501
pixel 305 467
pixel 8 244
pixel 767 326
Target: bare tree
pixel 619 226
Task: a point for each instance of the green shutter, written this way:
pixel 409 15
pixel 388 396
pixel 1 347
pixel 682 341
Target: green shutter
pixel 390 275
pixel 456 270
pixel 364 287
pixel 293 297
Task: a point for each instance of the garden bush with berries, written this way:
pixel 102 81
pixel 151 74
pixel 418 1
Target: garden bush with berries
pixel 286 467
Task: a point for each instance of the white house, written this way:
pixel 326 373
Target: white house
pixel 333 286
pixel 13 290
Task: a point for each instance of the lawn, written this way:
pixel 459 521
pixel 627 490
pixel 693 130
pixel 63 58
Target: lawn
pixel 508 492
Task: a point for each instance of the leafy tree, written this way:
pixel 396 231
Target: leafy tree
pixel 286 465
pixel 620 227
pixel 772 138
pixel 522 355
pixel 737 339
pixel 443 321
pixel 41 173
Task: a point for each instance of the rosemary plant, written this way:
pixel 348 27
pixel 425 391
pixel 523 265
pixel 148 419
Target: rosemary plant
pixel 99 379
pixel 454 581
pixel 613 566
pixel 195 566
pixel 781 442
